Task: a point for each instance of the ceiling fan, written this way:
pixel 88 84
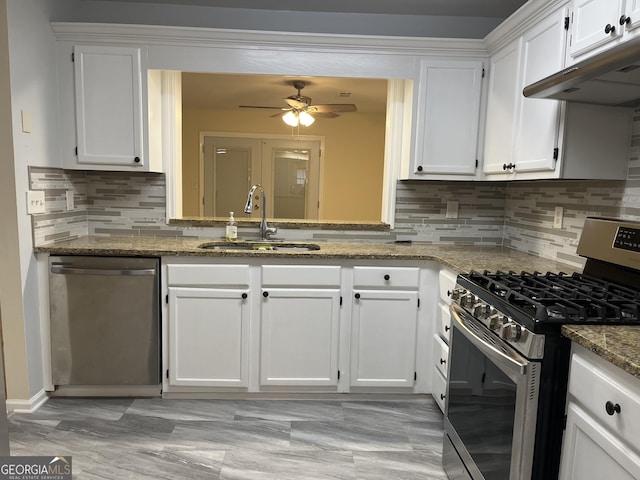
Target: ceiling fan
pixel 300 109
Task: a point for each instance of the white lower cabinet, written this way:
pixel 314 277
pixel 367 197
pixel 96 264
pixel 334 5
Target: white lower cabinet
pixel 440 355
pixel 602 439
pixel 299 325
pixel 208 338
pixel 299 336
pixel 208 330
pixel 383 338
pixel 262 326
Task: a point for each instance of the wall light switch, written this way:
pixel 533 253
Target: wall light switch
pixel 452 209
pixel 35 202
pixel 26 121
pixel 557 217
pixel 70 200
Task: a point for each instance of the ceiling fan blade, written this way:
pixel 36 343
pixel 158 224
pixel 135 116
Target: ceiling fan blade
pixel 332 107
pixel 325 114
pixel 259 106
pixel 295 103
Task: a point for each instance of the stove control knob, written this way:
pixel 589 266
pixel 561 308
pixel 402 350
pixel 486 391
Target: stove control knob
pixel 497 320
pixel 455 293
pixel 481 311
pixel 467 300
pixel 511 332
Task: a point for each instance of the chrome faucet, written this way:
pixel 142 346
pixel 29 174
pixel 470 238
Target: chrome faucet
pixel 265 230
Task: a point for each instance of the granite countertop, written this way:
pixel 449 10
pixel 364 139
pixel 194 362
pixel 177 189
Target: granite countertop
pixel 618 344
pixel 458 258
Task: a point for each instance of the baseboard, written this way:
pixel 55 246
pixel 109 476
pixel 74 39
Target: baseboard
pixel 27 406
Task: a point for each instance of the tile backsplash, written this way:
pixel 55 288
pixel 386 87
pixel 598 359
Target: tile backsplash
pixel 515 214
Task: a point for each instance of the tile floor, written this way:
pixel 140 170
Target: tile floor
pixel 237 439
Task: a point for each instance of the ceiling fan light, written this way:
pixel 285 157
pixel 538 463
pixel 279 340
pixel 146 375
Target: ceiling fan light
pixel 306 119
pixel 290 118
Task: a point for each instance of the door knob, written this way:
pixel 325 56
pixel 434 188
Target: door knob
pixel 624 20
pixel 609 29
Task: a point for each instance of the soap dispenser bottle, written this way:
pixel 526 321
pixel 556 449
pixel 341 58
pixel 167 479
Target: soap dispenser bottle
pixel 232 228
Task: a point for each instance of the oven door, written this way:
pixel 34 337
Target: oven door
pixel 491 405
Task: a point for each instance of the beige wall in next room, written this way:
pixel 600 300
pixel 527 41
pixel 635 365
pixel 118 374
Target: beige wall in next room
pixel 352 162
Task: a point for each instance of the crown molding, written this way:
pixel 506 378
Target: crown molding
pixel 191 36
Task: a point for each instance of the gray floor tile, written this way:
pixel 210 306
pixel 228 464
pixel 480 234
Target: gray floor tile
pixel 229 435
pixel 318 465
pixel 347 436
pixel 244 439
pixel 398 466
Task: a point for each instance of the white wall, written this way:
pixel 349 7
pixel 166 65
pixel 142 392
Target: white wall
pixel 34 91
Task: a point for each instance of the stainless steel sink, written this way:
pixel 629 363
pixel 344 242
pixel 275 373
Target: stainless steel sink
pixel 259 246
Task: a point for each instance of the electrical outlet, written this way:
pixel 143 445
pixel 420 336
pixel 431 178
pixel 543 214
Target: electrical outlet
pixel 70 200
pixel 557 217
pixel 452 209
pixel 35 201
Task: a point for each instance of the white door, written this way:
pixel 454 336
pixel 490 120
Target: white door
pixel 538 119
pixel 231 166
pixel 292 178
pixel 383 338
pixel 109 120
pixel 590 19
pixel 448 116
pixel 503 98
pixel 299 337
pixel 590 451
pixel 209 337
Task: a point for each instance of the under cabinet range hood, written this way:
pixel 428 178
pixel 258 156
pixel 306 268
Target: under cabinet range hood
pixel 609 78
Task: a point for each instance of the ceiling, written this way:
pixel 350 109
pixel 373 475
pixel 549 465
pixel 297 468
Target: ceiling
pixel 223 91
pixel 466 8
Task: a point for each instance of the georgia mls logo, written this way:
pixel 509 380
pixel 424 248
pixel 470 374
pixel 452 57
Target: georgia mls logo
pixel 35 468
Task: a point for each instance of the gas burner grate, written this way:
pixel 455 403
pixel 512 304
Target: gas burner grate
pixel 563 298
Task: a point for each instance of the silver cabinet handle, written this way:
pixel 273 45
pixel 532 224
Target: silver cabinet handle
pixel 102 271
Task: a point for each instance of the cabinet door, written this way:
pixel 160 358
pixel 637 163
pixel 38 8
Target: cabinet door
pixel 504 92
pixel 632 11
pixel 109 120
pixel 383 338
pixel 209 337
pixel 590 18
pixel 299 337
pixel 448 117
pixel 591 451
pixel 538 119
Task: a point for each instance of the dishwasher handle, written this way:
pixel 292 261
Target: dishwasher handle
pixel 102 271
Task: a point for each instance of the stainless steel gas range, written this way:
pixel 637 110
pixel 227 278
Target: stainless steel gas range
pixel 508 364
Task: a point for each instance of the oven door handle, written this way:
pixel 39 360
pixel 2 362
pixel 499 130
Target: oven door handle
pixel 509 360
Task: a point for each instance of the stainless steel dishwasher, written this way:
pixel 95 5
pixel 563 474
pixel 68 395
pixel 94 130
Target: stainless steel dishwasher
pixel 105 320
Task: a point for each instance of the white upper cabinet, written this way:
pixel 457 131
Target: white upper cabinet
pixel 503 97
pixel 105 108
pixel 529 138
pixel 599 24
pixel 447 119
pixel 108 83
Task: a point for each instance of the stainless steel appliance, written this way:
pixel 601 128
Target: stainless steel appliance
pixel 609 78
pixel 105 322
pixel 508 363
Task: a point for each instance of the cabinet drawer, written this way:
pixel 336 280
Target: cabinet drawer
pixel 208 275
pixel 440 355
pixel 593 382
pixel 438 388
pixel 444 322
pixel 447 282
pixel 389 277
pixel 301 275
